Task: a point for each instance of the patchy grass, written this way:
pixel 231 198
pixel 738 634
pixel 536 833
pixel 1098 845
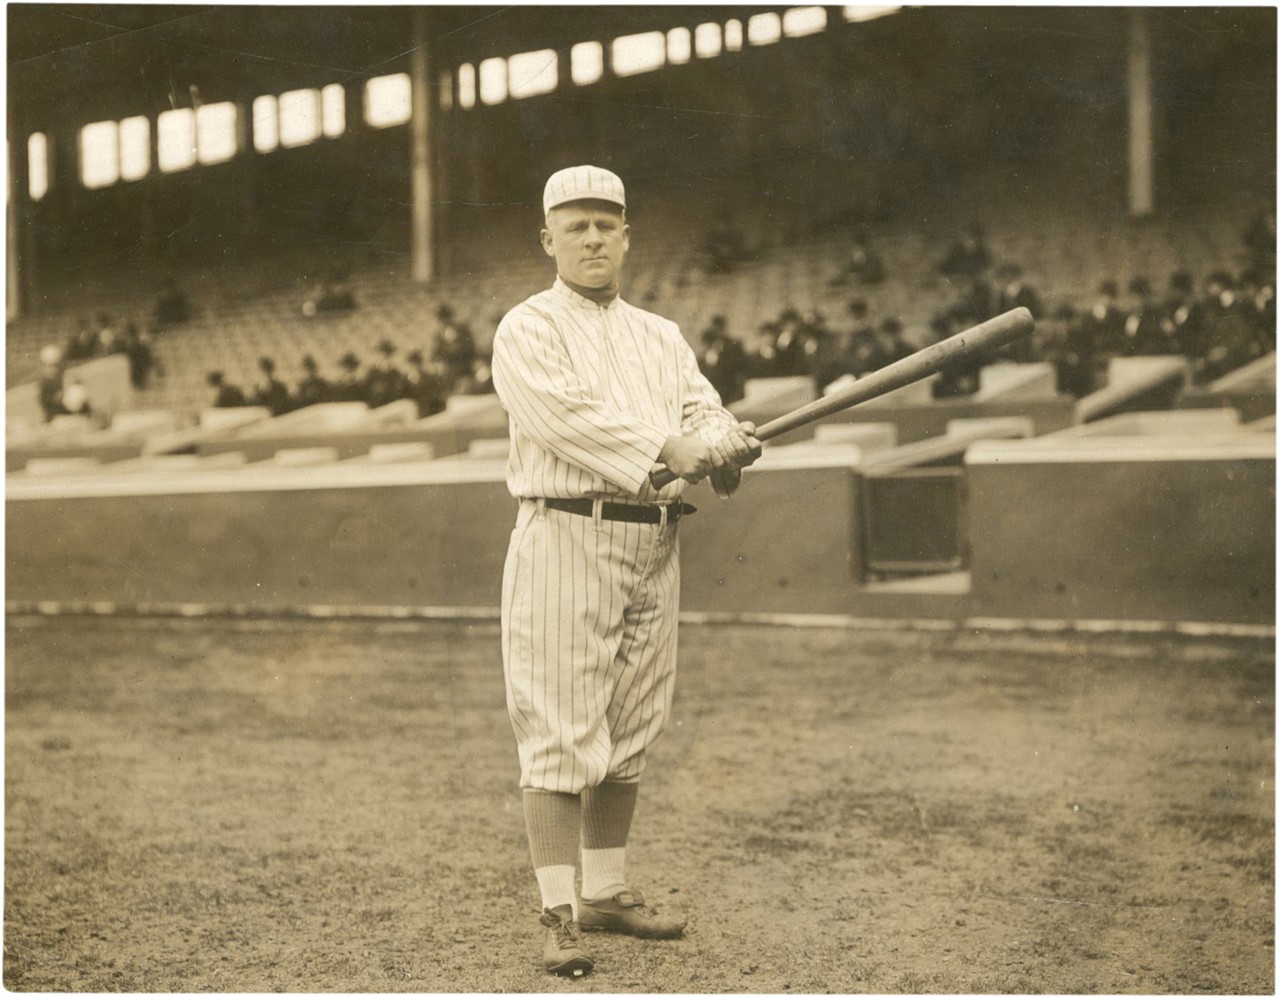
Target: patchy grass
pixel 331 806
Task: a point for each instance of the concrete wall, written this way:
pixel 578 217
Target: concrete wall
pixel 1123 532
pixel 412 541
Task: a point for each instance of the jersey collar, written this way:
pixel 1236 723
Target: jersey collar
pixel 581 301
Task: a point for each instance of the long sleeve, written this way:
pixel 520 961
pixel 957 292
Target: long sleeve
pixel 702 411
pixel 548 401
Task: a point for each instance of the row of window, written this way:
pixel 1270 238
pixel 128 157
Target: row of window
pixel 111 151
pixel 114 151
pixel 495 80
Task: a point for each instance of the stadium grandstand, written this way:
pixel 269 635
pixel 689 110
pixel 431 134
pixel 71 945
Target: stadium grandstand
pixel 976 679
pixel 267 237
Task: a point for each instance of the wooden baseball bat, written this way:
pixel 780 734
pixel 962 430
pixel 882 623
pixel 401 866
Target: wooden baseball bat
pixel 972 342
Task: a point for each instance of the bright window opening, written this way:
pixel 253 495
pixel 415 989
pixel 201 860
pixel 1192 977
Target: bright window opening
pixel 493 81
pixel 99 154
pixel 37 165
pixel 387 100
pixel 216 132
pixel 135 148
pixel 532 73
pixel 266 123
pixel 446 90
pixel 706 40
pixel 800 21
pixel 859 12
pixel 299 117
pixel 176 139
pixel 733 36
pixel 467 86
pixel 586 62
pixel 333 110
pixel 679 46
pixel 641 53
pixel 764 29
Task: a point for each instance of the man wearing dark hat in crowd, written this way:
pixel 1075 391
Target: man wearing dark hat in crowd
pixel 270 390
pixel 424 386
pixel 1182 325
pixel 968 256
pixel 383 382
pixel 348 386
pixel 312 388
pixel 225 396
pixel 1233 338
pixel 1104 323
pixel 1142 332
pixel 454 349
pixel 723 360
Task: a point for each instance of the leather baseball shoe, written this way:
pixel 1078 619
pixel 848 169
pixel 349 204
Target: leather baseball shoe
pixel 626 912
pixel 562 951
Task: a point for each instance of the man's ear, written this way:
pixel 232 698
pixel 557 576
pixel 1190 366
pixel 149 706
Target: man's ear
pixel 547 246
pixel 626 237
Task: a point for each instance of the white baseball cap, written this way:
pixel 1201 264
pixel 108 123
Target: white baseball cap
pixel 582 183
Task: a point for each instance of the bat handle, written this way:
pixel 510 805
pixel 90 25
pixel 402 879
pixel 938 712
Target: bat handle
pixel 662 476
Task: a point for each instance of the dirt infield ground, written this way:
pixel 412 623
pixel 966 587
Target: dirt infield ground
pixel 305 806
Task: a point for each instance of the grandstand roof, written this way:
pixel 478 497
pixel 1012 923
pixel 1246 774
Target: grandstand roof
pixel 142 58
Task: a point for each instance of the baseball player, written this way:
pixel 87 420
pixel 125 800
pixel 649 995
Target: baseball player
pixel 601 396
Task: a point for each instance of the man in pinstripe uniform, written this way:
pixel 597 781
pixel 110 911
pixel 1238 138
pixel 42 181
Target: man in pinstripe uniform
pixel 601 396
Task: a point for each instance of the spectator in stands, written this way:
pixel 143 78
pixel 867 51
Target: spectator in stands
pixel 50 385
pixel 892 341
pixel 1071 354
pixel 137 350
pixel 968 256
pixel 1105 321
pixel 959 379
pixel 1264 305
pixel 762 358
pixel 172 307
pixel 478 381
pixel 424 386
pixel 1234 338
pixel 859 351
pixel 1015 292
pixel 723 360
pixel 724 246
pixel 383 381
pixel 1182 319
pixel 75 399
pixel 330 297
pixel 454 349
pixel 1142 324
pixel 348 386
pixel 789 345
pixel 83 343
pixel 109 340
pixel 978 303
pixel 270 391
pixel 864 265
pixel 225 396
pixel 312 388
pixel 1260 249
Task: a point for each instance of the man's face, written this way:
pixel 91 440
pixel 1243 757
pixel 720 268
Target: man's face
pixel 589 240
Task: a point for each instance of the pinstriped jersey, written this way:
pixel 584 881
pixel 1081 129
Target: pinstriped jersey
pixel 592 392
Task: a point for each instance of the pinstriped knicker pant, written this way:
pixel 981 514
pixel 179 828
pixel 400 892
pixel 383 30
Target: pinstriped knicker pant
pixel 589 611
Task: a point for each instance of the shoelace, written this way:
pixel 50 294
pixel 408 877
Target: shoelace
pixel 565 934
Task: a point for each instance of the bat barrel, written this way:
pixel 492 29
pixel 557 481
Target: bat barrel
pixel 975 341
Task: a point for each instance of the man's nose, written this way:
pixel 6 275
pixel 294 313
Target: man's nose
pixel 594 237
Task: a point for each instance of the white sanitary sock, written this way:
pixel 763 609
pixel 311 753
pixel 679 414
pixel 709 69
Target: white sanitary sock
pixel 603 872
pixel 556 885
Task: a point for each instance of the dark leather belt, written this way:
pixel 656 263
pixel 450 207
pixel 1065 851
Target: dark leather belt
pixel 621 511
